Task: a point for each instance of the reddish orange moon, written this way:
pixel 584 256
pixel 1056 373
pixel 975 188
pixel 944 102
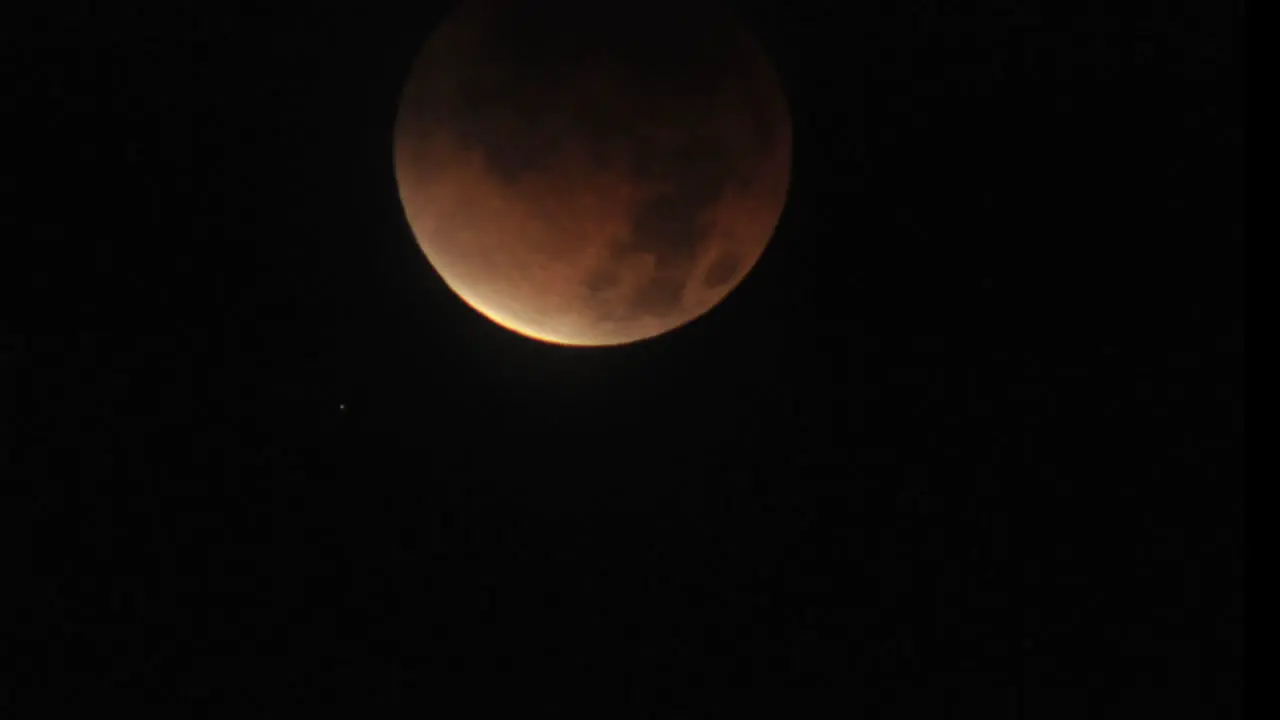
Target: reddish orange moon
pixel 592 173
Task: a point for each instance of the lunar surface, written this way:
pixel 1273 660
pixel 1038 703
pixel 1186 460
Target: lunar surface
pixel 592 173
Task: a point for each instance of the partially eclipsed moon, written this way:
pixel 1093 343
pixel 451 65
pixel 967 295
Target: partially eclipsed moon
pixel 592 173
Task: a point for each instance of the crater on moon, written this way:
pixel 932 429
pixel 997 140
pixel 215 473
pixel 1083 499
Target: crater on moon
pixel 592 173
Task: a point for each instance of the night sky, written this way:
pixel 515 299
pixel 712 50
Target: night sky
pixel 967 442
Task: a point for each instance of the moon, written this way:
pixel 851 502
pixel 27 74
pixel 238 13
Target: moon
pixel 592 173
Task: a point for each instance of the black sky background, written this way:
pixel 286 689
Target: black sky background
pixel 965 443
